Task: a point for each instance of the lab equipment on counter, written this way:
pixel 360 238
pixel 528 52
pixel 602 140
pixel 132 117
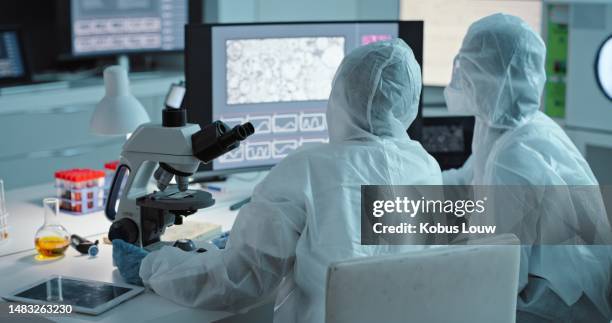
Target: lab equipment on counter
pixel 4 229
pixel 80 191
pixel 84 246
pixel 51 239
pixel 173 149
pixel 75 294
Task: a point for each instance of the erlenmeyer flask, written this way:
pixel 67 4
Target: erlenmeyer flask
pixel 51 239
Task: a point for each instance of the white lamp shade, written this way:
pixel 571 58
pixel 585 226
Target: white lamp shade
pixel 119 112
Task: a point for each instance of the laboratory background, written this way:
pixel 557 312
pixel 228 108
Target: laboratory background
pixel 79 77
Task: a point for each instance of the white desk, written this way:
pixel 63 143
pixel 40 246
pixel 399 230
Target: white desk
pixel 26 214
pixel 18 267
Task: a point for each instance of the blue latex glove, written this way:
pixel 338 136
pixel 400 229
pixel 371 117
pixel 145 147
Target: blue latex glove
pixel 127 257
pixel 221 240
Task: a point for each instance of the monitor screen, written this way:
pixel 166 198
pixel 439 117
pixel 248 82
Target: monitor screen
pixel 448 139
pixel 443 138
pixel 276 76
pixel 446 23
pixel 12 65
pixel 125 26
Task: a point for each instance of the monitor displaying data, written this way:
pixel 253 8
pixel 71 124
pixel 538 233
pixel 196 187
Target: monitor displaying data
pixel 443 138
pixel 125 26
pixel 11 58
pixel 446 23
pixel 279 77
pixel 448 139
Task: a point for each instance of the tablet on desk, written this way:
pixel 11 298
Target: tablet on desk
pixel 85 296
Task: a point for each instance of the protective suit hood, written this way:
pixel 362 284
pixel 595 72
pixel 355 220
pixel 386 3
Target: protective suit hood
pixel 305 214
pixel 499 72
pixel 498 77
pixel 375 93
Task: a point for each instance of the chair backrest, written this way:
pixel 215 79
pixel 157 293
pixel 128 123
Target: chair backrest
pixel 472 283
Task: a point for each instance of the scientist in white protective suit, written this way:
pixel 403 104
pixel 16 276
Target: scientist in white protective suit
pixel 306 213
pixel 499 77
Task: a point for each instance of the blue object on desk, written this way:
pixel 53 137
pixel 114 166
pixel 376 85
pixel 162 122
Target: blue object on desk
pixel 128 257
pixel 84 246
pixel 93 251
pixel 221 240
pixel 212 187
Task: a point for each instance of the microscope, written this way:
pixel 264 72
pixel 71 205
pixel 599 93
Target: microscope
pixel 144 204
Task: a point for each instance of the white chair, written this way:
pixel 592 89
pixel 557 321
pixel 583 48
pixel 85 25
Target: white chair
pixel 475 283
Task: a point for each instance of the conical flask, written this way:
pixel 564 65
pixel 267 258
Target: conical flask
pixel 51 239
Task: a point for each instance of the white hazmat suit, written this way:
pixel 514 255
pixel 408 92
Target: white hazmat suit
pixel 499 77
pixel 306 213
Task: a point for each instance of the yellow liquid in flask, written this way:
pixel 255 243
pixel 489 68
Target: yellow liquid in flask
pixel 51 247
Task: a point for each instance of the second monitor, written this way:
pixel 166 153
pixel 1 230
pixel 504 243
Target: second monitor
pixel 13 68
pixel 276 76
pixel 107 27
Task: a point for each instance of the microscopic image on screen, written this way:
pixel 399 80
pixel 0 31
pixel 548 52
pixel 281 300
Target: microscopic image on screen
pixel 281 69
pixel 442 139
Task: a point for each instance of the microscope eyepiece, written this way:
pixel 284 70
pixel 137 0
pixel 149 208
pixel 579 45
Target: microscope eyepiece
pixel 244 130
pixel 238 133
pixel 218 138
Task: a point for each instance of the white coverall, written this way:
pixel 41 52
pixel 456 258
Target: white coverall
pixel 306 213
pixel 499 77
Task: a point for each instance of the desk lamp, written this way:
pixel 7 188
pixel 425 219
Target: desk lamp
pixel 119 112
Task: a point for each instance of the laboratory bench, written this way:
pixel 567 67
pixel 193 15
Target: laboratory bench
pixel 19 268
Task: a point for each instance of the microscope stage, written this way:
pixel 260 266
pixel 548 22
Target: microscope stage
pixel 174 200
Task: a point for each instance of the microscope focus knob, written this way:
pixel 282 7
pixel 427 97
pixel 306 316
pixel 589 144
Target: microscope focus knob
pixel 185 245
pixel 124 229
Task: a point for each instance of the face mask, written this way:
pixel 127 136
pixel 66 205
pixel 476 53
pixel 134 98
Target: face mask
pixel 456 100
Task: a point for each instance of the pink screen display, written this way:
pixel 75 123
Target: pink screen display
pixel 368 39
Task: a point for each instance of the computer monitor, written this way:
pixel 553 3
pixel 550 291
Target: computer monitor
pixel 13 67
pixel 113 27
pixel 448 139
pixel 278 76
